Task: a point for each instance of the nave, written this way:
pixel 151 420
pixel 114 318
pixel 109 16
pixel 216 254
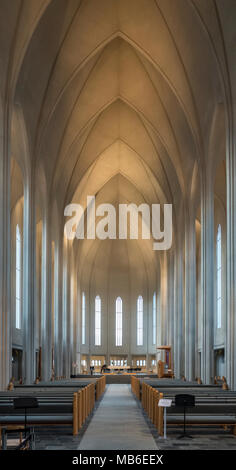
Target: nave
pixel 133 103
pixel 86 414
pixel 123 103
pixel 118 423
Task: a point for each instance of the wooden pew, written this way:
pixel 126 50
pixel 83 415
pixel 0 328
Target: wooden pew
pixel 57 404
pixel 214 405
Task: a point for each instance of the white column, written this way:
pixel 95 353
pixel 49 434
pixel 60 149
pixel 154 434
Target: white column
pixel 5 237
pixel 29 279
pixel 66 310
pixel 231 260
pixel 190 295
pixel 207 278
pixel 163 325
pixel 58 283
pixel 170 293
pixel 178 311
pixel 159 314
pixel 74 325
pixel 46 300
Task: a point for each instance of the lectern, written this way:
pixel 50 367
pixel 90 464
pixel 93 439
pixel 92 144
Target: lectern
pixel 164 367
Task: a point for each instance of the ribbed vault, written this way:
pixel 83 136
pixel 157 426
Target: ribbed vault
pixel 129 71
pixel 119 99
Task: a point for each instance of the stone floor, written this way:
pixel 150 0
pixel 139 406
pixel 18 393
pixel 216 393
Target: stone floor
pixel 119 423
pixel 199 442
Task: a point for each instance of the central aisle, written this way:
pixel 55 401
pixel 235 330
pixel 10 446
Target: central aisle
pixel 118 423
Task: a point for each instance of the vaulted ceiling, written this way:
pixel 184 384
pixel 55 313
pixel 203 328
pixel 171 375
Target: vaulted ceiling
pixel 118 96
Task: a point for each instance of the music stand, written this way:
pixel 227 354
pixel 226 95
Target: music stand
pixel 184 401
pixel 25 403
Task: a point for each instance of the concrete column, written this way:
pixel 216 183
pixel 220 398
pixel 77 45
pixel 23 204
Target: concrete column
pixel 207 278
pixel 69 319
pixel 129 360
pixel 5 237
pixel 147 362
pixel 66 311
pixel 29 279
pixel 78 321
pixel 74 319
pixel 88 363
pixel 78 362
pixel 159 309
pixel 58 306
pixel 190 296
pixel 231 260
pixel 171 338
pixel 163 324
pixel 46 300
pixel 178 311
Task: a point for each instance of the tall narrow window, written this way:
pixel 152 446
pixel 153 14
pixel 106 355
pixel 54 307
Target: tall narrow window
pixel 154 318
pixel 83 318
pixel 97 321
pixel 18 277
pixel 118 321
pixel 140 321
pixel 218 277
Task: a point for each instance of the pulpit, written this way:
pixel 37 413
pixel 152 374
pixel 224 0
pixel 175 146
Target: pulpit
pixel 164 368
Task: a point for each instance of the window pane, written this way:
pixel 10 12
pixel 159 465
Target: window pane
pixel 18 278
pixel 18 291
pixel 118 321
pixel 154 317
pixel 218 277
pixel 97 321
pixel 18 254
pixel 140 321
pixel 83 318
pixel 18 322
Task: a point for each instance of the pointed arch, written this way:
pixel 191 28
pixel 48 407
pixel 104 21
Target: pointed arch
pixel 119 315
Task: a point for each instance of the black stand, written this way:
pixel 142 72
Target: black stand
pixel 24 403
pixel 185 401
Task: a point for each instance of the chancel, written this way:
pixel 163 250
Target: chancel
pixel 108 104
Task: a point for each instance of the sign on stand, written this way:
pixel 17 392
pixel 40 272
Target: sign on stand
pixel 165 403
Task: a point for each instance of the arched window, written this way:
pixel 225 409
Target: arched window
pixel 83 319
pixel 154 318
pixel 118 321
pixel 18 278
pixel 218 278
pixel 97 321
pixel 140 321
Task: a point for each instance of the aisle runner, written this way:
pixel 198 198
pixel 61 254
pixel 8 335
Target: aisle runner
pixel 118 423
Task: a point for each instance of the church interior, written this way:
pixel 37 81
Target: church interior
pixel 133 102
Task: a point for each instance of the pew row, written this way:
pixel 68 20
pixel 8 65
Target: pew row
pixel 213 405
pixel 63 404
